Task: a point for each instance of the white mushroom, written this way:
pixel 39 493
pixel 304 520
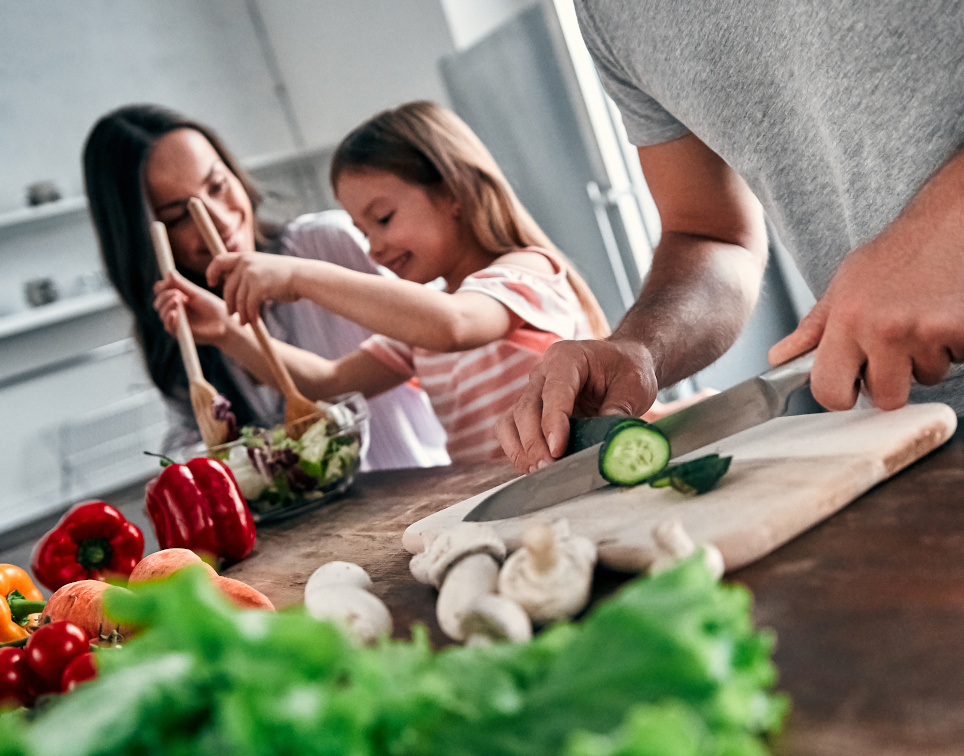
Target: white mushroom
pixel 494 618
pixel 674 543
pixel 339 573
pixel 463 563
pixel 551 575
pixel 338 592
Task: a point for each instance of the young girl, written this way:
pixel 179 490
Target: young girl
pixel 434 205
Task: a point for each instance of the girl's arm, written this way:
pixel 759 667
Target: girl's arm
pixel 414 314
pixel 315 377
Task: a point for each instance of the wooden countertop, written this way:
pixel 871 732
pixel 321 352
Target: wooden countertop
pixel 868 606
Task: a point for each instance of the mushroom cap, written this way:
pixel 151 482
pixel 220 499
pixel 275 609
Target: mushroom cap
pixel 362 614
pixel 339 573
pixel 496 618
pixel 441 552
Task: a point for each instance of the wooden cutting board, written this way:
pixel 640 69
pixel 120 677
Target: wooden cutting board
pixel 786 476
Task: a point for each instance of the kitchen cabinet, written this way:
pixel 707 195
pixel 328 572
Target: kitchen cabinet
pixel 78 405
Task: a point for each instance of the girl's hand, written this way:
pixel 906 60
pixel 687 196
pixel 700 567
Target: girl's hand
pixel 206 313
pixel 251 278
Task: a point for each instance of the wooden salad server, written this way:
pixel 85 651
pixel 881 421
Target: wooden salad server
pixel 214 432
pixel 300 411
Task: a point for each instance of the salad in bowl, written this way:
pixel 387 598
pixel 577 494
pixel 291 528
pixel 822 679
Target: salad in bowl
pixel 282 476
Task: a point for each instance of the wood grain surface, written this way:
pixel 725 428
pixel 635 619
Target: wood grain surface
pixel 868 605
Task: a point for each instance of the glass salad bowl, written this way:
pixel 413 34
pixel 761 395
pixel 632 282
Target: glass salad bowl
pixel 281 477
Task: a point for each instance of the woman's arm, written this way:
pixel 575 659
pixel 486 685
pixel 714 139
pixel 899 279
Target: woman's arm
pixel 414 314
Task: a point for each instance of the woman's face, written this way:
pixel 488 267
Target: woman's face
pixel 414 233
pixel 182 165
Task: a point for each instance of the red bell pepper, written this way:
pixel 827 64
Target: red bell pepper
pixel 93 541
pixel 198 506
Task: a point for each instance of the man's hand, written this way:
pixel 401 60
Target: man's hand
pixel 575 377
pixel 895 308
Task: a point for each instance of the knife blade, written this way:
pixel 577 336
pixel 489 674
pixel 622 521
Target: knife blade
pixel 743 406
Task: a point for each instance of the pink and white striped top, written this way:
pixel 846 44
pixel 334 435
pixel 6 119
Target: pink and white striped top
pixel 470 389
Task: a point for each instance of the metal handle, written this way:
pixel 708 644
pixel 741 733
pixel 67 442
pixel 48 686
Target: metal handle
pixel 784 379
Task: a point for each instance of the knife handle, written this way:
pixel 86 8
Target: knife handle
pixel 784 379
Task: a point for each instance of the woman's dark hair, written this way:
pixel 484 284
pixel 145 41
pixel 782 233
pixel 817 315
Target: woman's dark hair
pixel 115 154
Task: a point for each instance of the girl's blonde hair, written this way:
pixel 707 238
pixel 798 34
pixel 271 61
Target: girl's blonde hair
pixel 425 144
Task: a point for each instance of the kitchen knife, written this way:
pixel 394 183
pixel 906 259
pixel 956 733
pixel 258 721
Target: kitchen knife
pixel 749 403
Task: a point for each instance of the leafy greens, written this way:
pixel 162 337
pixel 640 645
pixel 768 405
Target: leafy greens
pixel 669 665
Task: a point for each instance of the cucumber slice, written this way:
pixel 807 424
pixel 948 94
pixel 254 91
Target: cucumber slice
pixel 632 451
pixel 695 476
pixel 589 431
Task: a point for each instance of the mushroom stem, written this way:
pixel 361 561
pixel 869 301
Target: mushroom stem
pixel 539 539
pixel 672 539
pixel 673 543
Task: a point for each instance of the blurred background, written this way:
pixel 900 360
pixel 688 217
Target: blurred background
pixel 281 81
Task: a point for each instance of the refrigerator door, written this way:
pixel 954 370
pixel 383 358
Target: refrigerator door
pixel 530 91
pixel 518 90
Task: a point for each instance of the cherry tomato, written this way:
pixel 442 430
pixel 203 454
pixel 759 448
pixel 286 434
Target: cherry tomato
pixel 52 647
pixel 79 669
pixel 13 679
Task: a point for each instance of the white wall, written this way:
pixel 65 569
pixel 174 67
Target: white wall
pixel 65 63
pixel 471 20
pixel 344 61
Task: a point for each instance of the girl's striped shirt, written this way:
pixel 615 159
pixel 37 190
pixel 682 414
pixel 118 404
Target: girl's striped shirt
pixel 470 389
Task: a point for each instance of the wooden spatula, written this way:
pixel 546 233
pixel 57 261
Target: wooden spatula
pixel 300 411
pixel 214 432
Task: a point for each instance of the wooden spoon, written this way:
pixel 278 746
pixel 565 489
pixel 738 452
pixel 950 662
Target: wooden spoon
pixel 300 411
pixel 214 432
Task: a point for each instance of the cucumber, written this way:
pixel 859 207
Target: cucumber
pixel 589 431
pixel 695 476
pixel 632 451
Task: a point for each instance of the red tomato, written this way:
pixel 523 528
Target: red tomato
pixel 13 678
pixel 79 669
pixel 52 647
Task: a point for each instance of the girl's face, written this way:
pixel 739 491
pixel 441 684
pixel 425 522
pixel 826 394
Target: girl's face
pixel 184 164
pixel 415 233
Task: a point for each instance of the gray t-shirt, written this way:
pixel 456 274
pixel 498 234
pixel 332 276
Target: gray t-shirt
pixel 835 113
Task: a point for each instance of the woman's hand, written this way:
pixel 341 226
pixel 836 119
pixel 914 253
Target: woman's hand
pixel 575 377
pixel 206 312
pixel 251 278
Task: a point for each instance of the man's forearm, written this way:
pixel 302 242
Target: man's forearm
pixel 697 298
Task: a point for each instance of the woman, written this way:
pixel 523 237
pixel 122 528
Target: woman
pixel 143 162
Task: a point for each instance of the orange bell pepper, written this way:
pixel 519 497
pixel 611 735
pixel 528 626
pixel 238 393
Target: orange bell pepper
pixel 18 598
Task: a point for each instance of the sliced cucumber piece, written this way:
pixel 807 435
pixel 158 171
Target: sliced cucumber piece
pixel 632 451
pixel 695 476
